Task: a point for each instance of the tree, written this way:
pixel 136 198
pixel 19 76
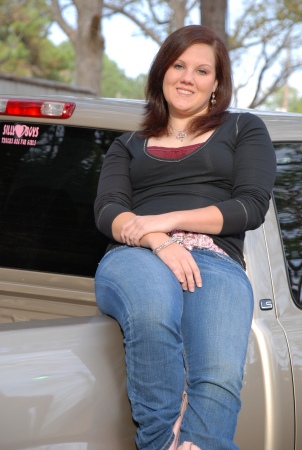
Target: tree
pixel 265 47
pixel 86 38
pixel 24 46
pixel 155 19
pixel 158 19
pixel 213 15
pixel 264 36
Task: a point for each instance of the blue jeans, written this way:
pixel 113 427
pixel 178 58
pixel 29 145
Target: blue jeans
pixel 175 338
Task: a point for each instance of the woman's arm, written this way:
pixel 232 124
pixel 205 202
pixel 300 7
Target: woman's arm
pixel 208 220
pixel 114 193
pixel 254 174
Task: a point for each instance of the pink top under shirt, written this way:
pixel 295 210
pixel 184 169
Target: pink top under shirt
pixel 172 152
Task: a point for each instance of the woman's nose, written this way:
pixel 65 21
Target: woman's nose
pixel 187 77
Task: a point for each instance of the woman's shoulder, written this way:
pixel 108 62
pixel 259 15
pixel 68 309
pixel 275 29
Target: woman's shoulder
pixel 130 137
pixel 244 117
pixel 245 121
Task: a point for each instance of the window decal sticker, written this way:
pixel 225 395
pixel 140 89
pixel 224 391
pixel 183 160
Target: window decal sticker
pixel 19 135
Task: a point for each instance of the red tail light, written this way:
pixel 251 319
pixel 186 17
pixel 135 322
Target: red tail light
pixel 36 108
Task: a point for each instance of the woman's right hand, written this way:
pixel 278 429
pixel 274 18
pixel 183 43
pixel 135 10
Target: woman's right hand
pixel 183 265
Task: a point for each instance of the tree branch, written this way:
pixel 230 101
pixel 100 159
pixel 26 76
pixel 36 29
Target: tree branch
pixel 142 25
pixel 57 12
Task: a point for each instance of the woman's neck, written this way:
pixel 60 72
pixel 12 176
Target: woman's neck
pixel 171 139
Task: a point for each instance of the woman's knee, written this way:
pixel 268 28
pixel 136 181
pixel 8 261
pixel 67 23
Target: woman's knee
pixel 136 284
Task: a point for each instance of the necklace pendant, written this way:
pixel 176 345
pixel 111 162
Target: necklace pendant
pixel 181 135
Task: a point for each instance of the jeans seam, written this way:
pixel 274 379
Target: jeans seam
pixel 120 247
pixel 226 258
pixel 168 443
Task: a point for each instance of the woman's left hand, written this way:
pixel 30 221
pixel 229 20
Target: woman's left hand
pixel 133 230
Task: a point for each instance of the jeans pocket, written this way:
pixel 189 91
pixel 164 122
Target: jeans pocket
pixel 227 258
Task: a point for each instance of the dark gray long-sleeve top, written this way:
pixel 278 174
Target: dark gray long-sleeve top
pixel 233 170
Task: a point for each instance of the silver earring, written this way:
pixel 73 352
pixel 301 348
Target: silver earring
pixel 213 99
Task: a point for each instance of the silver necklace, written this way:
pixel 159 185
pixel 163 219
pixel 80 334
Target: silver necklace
pixel 180 134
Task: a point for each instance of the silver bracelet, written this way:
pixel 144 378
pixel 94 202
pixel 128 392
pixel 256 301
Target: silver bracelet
pixel 165 244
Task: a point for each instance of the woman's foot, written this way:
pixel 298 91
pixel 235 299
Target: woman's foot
pixel 188 446
pixel 185 446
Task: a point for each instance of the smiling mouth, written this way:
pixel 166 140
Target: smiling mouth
pixel 185 92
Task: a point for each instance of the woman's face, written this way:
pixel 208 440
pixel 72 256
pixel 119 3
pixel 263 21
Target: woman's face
pixel 190 81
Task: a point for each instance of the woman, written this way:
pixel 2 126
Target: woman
pixel 176 199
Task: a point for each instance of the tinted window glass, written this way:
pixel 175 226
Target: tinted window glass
pixel 288 197
pixel 48 182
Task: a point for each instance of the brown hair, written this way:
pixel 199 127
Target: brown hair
pixel 156 117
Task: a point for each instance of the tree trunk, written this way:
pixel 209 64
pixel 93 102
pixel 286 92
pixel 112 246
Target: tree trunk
pixel 213 15
pixel 87 40
pixel 89 44
pixel 179 8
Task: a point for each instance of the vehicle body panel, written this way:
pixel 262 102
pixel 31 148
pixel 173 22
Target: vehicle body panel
pixel 64 386
pixel 268 352
pixel 289 316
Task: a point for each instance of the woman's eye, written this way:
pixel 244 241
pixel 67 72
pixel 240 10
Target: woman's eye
pixel 178 66
pixel 201 71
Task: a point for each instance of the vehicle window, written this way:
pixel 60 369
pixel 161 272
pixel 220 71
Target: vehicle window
pixel 288 198
pixel 48 183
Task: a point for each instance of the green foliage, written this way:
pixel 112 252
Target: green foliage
pixel 293 8
pixel 58 62
pixel 296 104
pixel 25 49
pixel 285 96
pixel 23 32
pixel 115 84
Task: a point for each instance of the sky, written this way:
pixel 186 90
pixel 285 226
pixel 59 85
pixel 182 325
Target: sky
pixel 131 51
pixel 134 53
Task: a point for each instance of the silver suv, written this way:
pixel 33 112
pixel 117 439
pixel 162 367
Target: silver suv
pixel 62 370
